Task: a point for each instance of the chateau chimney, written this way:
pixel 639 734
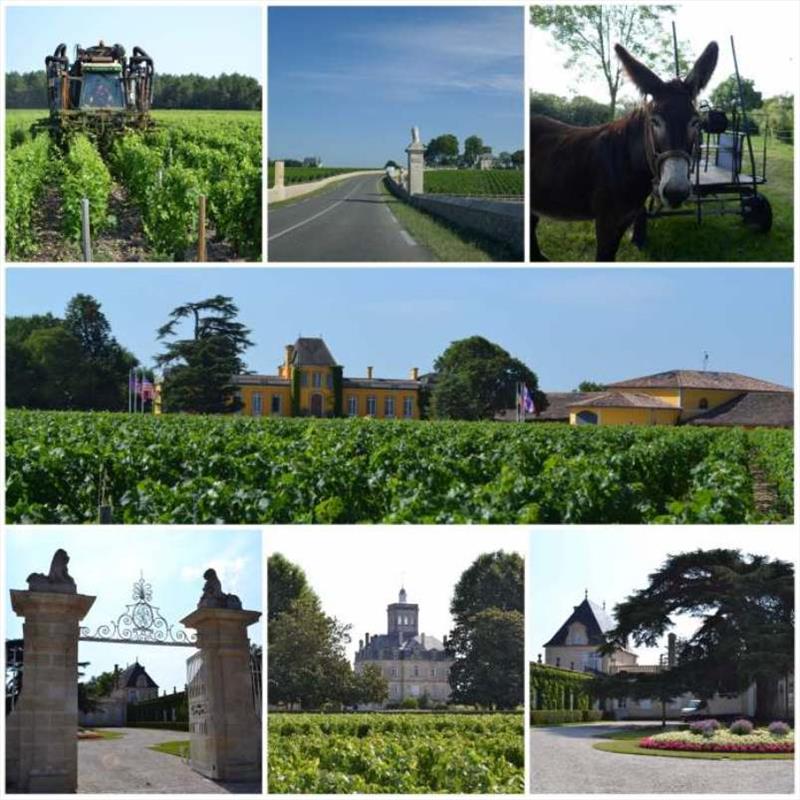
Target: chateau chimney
pixel 414 373
pixel 369 373
pixel 360 644
pixel 289 351
pixel 366 639
pixel 671 643
pixel 423 641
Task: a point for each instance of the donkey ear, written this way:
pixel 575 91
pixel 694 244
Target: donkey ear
pixel 701 72
pixel 647 82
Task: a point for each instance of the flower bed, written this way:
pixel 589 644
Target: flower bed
pixel 760 740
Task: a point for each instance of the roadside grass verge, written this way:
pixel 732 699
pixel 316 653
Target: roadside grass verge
pixel 178 748
pixel 446 242
pixel 682 239
pixel 626 742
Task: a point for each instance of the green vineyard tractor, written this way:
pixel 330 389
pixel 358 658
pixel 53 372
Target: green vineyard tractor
pixel 101 93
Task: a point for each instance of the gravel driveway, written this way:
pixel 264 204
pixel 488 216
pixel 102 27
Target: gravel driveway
pixel 126 765
pixel 564 761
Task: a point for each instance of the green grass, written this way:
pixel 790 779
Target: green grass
pixel 626 742
pixel 682 239
pixel 178 748
pixel 443 240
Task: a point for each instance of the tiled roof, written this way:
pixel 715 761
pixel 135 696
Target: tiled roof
pixel 130 675
pixel 379 383
pixel 763 409
pixel 259 380
pixel 592 617
pixel 622 400
pixel 697 379
pixel 312 352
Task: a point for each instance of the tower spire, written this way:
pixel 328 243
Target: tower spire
pixel 585 594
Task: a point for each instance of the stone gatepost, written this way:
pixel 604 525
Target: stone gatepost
pixel 416 163
pixel 279 175
pixel 224 729
pixel 42 731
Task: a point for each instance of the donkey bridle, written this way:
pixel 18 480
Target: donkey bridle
pixel 656 159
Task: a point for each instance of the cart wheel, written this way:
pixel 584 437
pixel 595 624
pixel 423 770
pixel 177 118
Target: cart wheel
pixel 757 213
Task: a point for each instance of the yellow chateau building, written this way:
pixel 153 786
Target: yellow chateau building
pixel 310 383
pixel 676 397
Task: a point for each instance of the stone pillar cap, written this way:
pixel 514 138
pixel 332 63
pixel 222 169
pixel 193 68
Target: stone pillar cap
pixel 201 616
pixel 24 602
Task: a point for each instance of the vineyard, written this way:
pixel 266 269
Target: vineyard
pixel 143 192
pixel 475 183
pixel 396 753
pixel 194 469
pixel 306 174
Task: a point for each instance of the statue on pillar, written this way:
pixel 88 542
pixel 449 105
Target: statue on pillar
pixel 415 135
pixel 57 580
pixel 213 596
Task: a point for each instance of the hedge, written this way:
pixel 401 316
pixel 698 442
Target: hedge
pixel 559 716
pixel 553 686
pixel 165 726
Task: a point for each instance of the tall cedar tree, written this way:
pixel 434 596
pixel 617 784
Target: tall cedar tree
pixel 198 370
pixel 746 604
pixel 488 640
pixel 476 378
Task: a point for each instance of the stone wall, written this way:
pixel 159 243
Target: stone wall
pixel 278 193
pixel 499 220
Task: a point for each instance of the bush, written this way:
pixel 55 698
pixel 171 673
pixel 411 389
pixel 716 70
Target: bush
pixel 779 729
pixel 741 727
pixel 592 715
pixel 409 702
pixel 705 727
pixel 164 726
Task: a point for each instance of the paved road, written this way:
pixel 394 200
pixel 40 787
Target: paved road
pixel 564 761
pixel 126 765
pixel 351 222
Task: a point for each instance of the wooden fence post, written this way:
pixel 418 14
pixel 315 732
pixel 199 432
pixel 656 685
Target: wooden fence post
pixel 86 234
pixel 201 240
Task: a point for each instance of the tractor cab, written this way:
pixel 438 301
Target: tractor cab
pixel 101 86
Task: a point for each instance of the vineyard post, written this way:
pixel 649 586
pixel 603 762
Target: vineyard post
pixel 85 230
pixel 201 241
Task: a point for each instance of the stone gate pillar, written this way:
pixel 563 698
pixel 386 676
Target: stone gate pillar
pixel 224 729
pixel 42 731
pixel 416 163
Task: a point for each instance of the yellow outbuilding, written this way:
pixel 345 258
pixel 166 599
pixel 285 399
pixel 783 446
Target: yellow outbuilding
pixel 310 383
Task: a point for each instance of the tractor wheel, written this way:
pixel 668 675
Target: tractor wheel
pixel 757 213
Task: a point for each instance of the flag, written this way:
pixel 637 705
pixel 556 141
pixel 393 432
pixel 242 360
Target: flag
pixel 147 390
pixel 528 404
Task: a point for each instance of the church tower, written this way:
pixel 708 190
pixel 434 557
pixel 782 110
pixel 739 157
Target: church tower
pixel 402 618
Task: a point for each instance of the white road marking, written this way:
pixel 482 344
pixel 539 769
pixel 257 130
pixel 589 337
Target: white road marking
pixel 315 216
pixel 408 238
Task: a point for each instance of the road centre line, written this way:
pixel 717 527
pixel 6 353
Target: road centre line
pixel 312 218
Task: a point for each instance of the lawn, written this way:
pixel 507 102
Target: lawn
pixel 682 239
pixel 627 743
pixel 178 748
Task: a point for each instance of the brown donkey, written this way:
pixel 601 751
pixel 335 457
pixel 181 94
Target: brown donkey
pixel 606 172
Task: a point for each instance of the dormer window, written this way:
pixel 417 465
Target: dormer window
pixel 577 635
pixel 703 404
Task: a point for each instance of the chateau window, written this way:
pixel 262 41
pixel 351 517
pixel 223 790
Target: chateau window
pixel 433 672
pixel 399 619
pixel 303 379
pixel 330 380
pixel 316 377
pixel 394 672
pixel 558 661
pixel 276 404
pixel 388 406
pixel 703 404
pixel 372 406
pixel 256 405
pixel 416 671
pixel 408 407
pixel 352 405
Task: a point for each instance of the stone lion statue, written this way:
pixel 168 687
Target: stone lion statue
pixel 213 596
pixel 57 580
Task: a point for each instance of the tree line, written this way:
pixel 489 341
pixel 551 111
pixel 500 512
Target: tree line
pixel 443 151
pixel 308 668
pixel 227 92
pixel 74 362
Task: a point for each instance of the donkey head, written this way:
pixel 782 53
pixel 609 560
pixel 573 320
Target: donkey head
pixel 673 124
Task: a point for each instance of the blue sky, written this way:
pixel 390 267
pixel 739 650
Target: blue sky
pixel 206 40
pixel 612 564
pixel 107 561
pixel 568 325
pixel 348 83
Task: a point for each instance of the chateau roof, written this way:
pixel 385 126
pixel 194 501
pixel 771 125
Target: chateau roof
pixel 592 617
pixel 697 379
pixel 312 352
pixel 621 400
pixel 762 409
pixel 127 679
pixel 380 383
pixel 259 380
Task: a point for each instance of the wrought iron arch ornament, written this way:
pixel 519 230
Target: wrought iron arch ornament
pixel 140 623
